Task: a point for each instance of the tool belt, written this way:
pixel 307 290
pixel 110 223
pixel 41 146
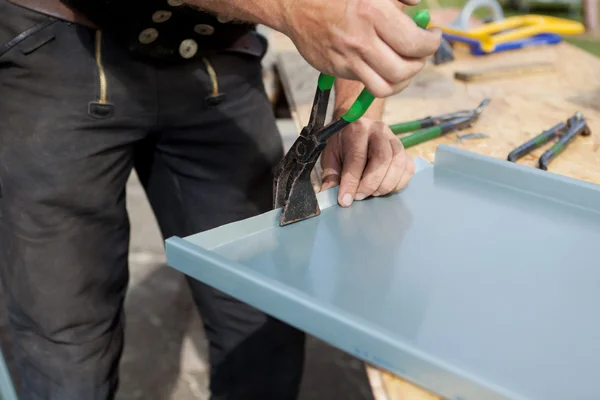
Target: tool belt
pixel 163 30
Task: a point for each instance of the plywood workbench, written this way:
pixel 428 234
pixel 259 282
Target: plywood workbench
pixel 520 108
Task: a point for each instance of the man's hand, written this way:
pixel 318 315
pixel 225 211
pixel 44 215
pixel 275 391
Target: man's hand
pixel 370 41
pixel 365 159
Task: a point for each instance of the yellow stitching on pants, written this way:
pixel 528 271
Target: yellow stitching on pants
pixel 213 76
pixel 103 85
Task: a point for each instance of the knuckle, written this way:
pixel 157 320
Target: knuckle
pixel 356 44
pixel 350 180
pixel 435 37
pixel 373 180
pixel 379 126
pixel 359 126
pixel 380 156
pixel 401 185
pixel 366 10
pixel 369 186
pixel 355 157
pixel 419 64
pixel 381 90
pixel 387 187
pixel 411 167
pixel 413 46
pixel 402 85
pixel 412 69
pixel 400 158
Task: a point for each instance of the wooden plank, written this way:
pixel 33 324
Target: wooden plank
pixel 520 108
pixel 507 71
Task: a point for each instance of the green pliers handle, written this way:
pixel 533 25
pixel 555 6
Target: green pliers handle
pixel 405 127
pixel 422 136
pixel 365 98
pixel 427 134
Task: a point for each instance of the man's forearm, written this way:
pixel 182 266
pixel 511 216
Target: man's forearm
pixel 346 93
pixel 265 12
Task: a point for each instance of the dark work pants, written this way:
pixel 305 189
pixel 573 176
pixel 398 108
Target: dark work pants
pixel 64 230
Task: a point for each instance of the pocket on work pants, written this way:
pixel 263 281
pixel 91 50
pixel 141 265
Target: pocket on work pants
pixel 23 30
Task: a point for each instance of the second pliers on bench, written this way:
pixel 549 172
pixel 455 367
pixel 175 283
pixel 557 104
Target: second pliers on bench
pixel 565 132
pixel 432 127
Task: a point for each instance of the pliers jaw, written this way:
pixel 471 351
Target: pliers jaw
pixel 293 190
pixel 472 114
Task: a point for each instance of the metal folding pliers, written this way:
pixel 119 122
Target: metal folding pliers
pixel 433 127
pixel 293 190
pixel 564 131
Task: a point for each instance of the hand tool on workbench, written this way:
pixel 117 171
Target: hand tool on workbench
pixel 293 190
pixel 512 32
pixel 468 136
pixel 434 127
pixel 444 54
pixel 508 71
pixel 565 132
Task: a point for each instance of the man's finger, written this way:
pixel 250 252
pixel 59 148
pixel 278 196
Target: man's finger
pixel 387 64
pixel 405 37
pixel 396 170
pixel 407 175
pixel 332 169
pixel 354 161
pixel 331 178
pixel 402 85
pixel 379 159
pixel 375 83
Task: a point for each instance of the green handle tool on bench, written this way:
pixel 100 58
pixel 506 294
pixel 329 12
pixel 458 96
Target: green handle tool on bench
pixel 434 127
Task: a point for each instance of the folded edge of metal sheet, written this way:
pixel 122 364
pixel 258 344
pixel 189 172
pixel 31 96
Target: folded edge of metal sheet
pixel 545 184
pixel 223 234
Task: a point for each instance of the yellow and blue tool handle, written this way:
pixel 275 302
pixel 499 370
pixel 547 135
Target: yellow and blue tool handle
pixel 365 98
pixel 476 47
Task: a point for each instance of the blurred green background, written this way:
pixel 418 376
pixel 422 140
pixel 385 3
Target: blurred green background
pixel 558 9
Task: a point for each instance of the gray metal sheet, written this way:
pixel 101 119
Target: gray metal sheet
pixel 479 281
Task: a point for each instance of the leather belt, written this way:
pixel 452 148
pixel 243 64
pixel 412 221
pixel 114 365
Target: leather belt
pixel 56 9
pixel 251 43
